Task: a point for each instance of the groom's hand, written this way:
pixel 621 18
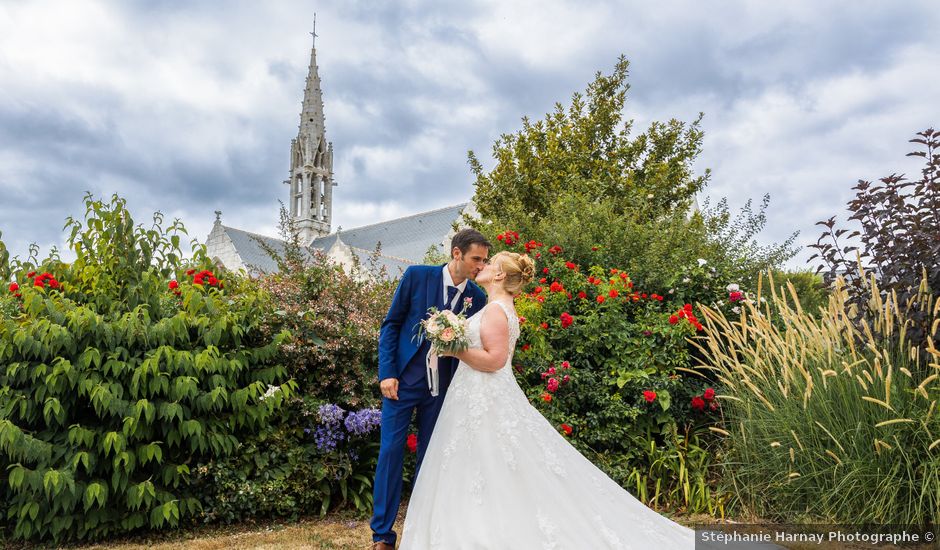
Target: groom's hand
pixel 389 388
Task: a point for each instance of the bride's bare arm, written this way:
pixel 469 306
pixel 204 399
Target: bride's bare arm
pixel 494 335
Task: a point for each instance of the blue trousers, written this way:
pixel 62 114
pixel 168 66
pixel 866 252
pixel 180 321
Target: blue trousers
pixel 396 417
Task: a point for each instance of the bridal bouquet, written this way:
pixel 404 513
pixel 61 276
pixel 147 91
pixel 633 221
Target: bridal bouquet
pixel 446 330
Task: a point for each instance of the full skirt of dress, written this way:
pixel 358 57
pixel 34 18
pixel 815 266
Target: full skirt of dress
pixel 497 475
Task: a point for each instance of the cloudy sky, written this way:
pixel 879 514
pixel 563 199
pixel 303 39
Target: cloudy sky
pixel 189 107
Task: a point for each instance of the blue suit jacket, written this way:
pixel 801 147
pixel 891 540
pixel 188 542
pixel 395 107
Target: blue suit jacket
pixel 420 287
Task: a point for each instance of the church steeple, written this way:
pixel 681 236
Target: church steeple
pixel 311 172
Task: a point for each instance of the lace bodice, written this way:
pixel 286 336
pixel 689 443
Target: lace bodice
pixel 476 320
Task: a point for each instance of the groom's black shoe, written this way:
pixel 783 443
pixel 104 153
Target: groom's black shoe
pixel 382 546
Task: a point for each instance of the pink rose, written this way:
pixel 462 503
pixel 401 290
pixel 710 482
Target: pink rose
pixel 447 334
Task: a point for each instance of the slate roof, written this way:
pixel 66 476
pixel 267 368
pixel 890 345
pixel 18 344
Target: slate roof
pixel 406 238
pixel 405 241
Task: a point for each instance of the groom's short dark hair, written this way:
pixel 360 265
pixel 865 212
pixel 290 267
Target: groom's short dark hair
pixel 465 238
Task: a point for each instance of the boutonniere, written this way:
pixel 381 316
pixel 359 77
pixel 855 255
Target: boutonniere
pixel 467 302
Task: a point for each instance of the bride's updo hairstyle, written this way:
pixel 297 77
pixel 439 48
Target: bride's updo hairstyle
pixel 519 270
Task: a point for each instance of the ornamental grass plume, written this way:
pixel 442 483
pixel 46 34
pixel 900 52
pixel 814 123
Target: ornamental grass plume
pixel 828 419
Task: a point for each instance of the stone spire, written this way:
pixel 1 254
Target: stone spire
pixel 311 171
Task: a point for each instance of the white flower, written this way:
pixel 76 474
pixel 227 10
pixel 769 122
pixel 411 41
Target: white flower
pixel 671 290
pixel 649 196
pixel 736 309
pixel 733 288
pixel 701 262
pixel 686 280
pixel 271 391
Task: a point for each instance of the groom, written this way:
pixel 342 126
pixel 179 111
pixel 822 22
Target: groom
pixel 403 372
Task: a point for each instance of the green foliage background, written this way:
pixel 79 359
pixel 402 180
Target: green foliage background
pixel 112 384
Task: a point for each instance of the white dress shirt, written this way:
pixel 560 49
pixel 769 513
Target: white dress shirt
pixel 449 281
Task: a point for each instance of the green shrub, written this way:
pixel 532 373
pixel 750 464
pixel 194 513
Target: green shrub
pixel 334 318
pixel 118 371
pixel 822 427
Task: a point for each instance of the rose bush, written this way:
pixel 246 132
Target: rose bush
pixel 603 360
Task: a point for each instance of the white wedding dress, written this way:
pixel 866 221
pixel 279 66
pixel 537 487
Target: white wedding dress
pixel 498 476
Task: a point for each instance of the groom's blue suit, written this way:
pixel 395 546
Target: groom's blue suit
pixel 402 356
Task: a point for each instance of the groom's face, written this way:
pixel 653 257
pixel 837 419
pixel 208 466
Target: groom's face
pixel 470 263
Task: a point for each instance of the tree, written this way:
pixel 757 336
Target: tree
pixel 579 179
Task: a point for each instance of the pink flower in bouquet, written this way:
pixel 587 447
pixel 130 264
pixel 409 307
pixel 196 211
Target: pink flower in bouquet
pixel 447 335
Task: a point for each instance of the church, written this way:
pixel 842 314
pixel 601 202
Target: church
pixel 402 242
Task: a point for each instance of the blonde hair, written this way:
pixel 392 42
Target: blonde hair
pixel 519 270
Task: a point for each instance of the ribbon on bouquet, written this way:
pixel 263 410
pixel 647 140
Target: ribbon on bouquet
pixel 434 376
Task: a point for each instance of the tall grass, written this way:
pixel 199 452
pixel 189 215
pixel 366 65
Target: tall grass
pixel 826 420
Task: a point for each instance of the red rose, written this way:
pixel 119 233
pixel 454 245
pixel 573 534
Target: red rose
pixel 545 270
pixel 566 428
pixel 543 280
pixel 582 295
pixel 213 281
pixel 521 320
pixel 673 319
pixel 713 406
pixel 547 397
pixel 412 443
pixel 565 379
pixel 544 326
pixel 649 395
pixel 698 403
pixel 571 265
pixel 190 271
pixel 613 293
pixel 14 287
pixel 555 249
pixel 537 290
pixel 53 283
pixel 31 274
pixel 499 237
pixel 525 347
pixel 552 385
pixel 595 248
pixel 39 283
pixel 197 280
pixel 566 320
pixel 565 365
pixel 600 299
pixel 173 285
pixel 687 307
pixel 643 295
pixel 709 394
pixel 557 287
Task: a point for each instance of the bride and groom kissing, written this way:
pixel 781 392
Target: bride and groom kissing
pixel 494 473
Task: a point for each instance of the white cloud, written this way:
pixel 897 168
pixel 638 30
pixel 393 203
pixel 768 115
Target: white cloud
pixel 189 109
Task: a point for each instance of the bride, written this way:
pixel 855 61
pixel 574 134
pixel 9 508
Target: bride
pixel 497 475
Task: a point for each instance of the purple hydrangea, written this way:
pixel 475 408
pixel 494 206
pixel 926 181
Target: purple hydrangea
pixel 364 421
pixel 331 414
pixel 328 437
